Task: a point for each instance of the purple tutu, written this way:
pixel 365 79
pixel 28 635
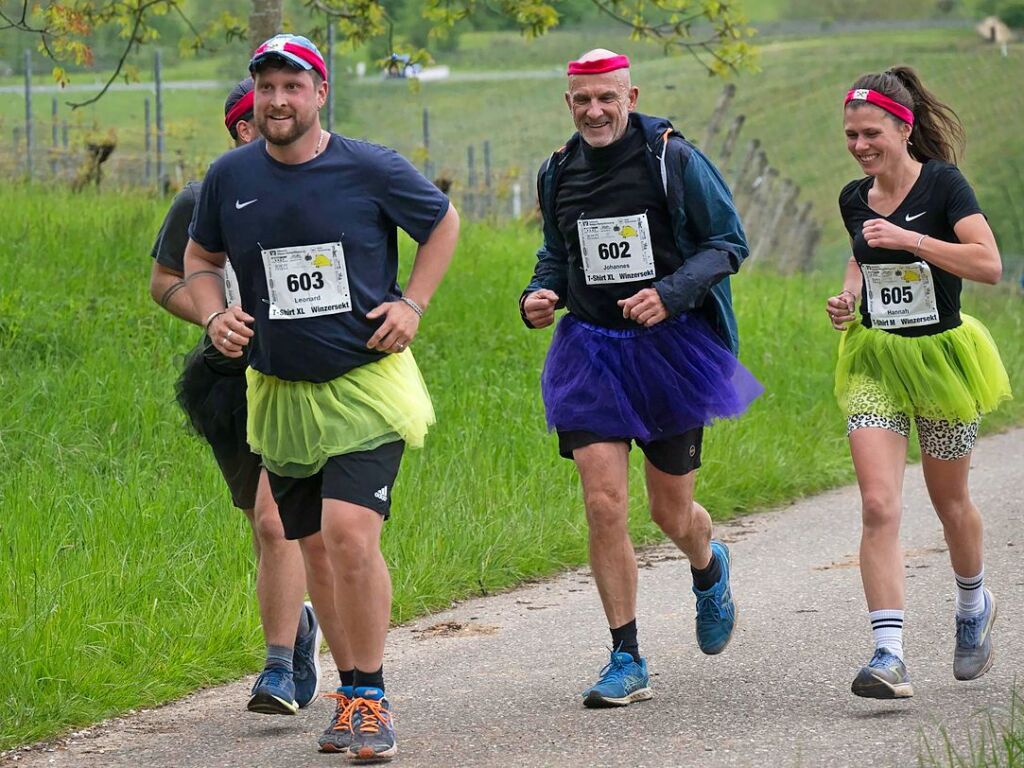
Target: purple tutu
pixel 644 383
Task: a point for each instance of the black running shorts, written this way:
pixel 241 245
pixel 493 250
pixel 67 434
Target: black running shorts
pixel 676 455
pixel 365 478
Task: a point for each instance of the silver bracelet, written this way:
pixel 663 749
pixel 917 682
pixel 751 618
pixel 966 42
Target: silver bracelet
pixel 206 325
pixel 918 246
pixel 415 307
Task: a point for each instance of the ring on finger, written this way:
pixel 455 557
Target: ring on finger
pixel 228 335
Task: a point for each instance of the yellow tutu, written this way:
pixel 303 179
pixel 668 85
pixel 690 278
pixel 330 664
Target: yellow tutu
pixel 297 425
pixel 955 375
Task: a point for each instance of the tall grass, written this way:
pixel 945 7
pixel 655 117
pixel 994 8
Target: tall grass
pixel 126 578
pixel 997 743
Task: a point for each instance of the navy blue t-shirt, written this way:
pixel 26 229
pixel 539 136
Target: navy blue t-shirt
pixel 939 199
pixel 355 193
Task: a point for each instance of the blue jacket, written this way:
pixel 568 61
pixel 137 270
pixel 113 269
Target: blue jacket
pixel 707 229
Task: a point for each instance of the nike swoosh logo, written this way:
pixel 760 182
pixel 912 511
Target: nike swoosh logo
pixel 916 216
pixel 239 206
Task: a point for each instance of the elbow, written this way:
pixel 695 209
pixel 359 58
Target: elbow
pixel 993 272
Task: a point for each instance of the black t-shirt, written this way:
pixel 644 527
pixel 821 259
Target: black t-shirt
pixel 938 199
pixel 355 193
pixel 169 248
pixel 601 182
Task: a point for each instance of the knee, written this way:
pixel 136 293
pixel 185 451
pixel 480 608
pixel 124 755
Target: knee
pixel 351 548
pixel 953 511
pixel 674 516
pixel 607 509
pixel 880 512
pixel 268 527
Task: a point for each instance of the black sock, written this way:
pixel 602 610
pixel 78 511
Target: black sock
pixel 707 577
pixel 347 676
pixel 369 679
pixel 624 640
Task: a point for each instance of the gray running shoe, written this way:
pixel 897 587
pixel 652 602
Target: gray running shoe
pixel 885 677
pixel 338 735
pixel 972 656
pixel 373 734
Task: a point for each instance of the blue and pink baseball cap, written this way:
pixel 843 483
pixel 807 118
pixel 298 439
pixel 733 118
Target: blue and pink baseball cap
pixel 295 50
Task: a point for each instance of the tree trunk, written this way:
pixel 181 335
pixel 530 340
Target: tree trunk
pixel 264 21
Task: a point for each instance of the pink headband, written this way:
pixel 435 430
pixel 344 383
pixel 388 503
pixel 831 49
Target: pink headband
pixel 882 101
pixel 242 107
pixel 598 66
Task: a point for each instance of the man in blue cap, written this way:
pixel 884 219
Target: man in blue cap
pixel 211 391
pixel 310 221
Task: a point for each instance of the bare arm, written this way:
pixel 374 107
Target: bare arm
pixel 975 257
pixel 401 321
pixel 167 288
pixel 433 258
pixel 226 326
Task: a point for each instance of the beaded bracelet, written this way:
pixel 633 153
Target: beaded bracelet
pixel 415 307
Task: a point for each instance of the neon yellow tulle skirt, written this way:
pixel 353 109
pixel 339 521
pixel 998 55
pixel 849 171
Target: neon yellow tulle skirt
pixel 297 425
pixel 955 375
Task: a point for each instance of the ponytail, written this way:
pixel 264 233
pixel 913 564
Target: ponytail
pixel 937 133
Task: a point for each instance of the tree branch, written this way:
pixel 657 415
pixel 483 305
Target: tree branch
pixel 133 41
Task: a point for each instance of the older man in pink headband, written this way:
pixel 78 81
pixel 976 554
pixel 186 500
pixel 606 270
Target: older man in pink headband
pixel 640 235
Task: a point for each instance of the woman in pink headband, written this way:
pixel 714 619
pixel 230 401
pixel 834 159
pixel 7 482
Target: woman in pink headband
pixel 916 232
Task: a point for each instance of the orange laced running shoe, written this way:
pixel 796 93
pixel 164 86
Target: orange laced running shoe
pixel 338 736
pixel 373 734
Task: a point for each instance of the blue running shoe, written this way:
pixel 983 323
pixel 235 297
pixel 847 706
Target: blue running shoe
pixel 373 734
pixel 972 656
pixel 716 611
pixel 306 661
pixel 885 677
pixel 274 693
pixel 622 681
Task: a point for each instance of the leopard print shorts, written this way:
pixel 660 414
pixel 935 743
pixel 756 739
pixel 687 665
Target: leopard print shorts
pixel 942 439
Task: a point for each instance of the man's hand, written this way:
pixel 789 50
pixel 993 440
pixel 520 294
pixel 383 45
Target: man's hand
pixel 229 331
pixel 539 308
pixel 644 307
pixel 398 329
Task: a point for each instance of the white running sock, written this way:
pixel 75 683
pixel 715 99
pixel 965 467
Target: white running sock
pixel 887 630
pixel 970 596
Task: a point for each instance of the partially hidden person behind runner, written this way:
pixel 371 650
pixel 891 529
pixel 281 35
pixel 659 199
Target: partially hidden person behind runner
pixel 910 355
pixel 309 221
pixel 640 236
pixel 211 391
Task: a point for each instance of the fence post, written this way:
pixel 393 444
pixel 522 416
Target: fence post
pixel 488 192
pixel 715 122
pixel 470 181
pixel 330 74
pixel 161 180
pixel 739 182
pixel 517 200
pixel 54 138
pixel 28 114
pixel 148 144
pixel 730 142
pixel 428 170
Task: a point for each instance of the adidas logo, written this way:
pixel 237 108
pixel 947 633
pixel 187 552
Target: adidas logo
pixel 382 494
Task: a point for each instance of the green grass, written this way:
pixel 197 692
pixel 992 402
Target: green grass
pixel 995 741
pixel 125 576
